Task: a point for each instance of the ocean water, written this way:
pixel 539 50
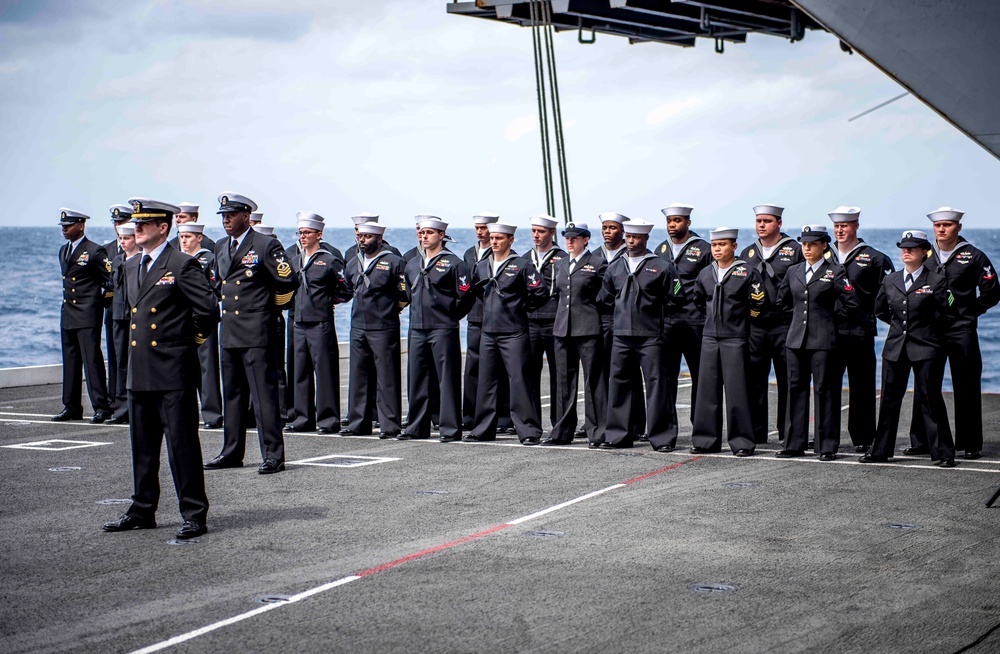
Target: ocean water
pixel 31 288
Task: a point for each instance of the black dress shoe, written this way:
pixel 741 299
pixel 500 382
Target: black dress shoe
pixel 861 448
pixel 616 446
pixel 947 463
pixel 100 417
pixel 450 439
pixel 704 450
pixel 219 462
pixel 553 441
pixel 213 425
pixel 580 432
pixel 298 428
pixel 409 437
pixel 827 456
pixel 117 420
pixel 510 430
pixel 66 414
pixel 346 432
pixel 743 453
pixel 644 438
pixel 916 451
pixel 530 440
pixel 385 435
pixel 871 458
pixel 129 522
pixel 476 439
pixel 789 454
pixel 323 430
pixel 270 466
pixel 594 446
pixel 973 455
pixel 191 529
pixel 664 448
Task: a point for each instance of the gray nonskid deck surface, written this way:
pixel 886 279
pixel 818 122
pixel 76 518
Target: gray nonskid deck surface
pixel 808 547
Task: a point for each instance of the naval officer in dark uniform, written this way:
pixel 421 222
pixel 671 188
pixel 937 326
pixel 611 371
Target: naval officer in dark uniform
pixel 973 281
pixel 172 308
pixel 682 331
pixel 544 256
pixel 771 255
pixel 854 352
pixel 322 285
pixel 120 318
pixel 113 250
pixel 644 288
pixel 189 214
pixel 731 294
pixel 917 305
pixel 439 285
pixel 509 287
pixel 191 236
pixel 375 277
pixel 820 297
pixel 579 340
pixel 86 272
pixel 255 277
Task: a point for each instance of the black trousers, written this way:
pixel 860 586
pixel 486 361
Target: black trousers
pixel 290 374
pixel 210 391
pixel 514 351
pixel 767 346
pixel 723 370
pixel 375 380
pixel 928 403
pixel 856 356
pixel 317 376
pixel 645 353
pixel 543 344
pixel 470 383
pixel 81 350
pixel 120 336
pixel 821 367
pixel 434 367
pixel 250 390
pixel 966 363
pixel 173 414
pixel 112 358
pixel 276 351
pixel 572 352
pixel 679 339
pixel 638 398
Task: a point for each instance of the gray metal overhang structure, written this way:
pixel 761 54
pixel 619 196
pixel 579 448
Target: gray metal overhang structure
pixel 944 52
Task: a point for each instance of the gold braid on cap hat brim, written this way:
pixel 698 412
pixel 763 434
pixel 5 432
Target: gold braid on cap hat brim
pixel 149 215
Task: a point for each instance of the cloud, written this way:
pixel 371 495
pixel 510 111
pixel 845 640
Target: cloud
pixel 665 112
pixel 518 127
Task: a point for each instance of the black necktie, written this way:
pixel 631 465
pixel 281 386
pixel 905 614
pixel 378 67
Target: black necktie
pixel 233 245
pixel 909 280
pixel 142 268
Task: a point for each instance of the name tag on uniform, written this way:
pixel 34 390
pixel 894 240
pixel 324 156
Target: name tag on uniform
pixel 166 280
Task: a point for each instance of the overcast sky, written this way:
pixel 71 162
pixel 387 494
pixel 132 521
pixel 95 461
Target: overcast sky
pixel 396 107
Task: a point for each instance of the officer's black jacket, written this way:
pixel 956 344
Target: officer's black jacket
pixel 731 304
pixel 86 277
pixel 441 293
pixel 967 270
pixel 866 267
pixel 379 291
pixel 817 307
pixel 352 252
pixel 119 306
pixel 642 300
pixel 254 283
pixel 507 298
pixel 173 312
pixel 607 309
pixel 695 255
pixel 476 314
pixel 918 318
pixel 112 250
pixel 322 284
pixel 546 266
pixel 576 293
pixel 786 253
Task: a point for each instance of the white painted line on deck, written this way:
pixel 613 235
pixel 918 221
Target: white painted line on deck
pixel 342 461
pixel 50 445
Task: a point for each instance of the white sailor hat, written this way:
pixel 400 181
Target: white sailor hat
pixel 723 233
pixel 232 202
pixel 576 229
pixel 769 210
pixel 261 228
pixel 432 222
pixel 187 207
pixel 611 216
pixel 845 214
pixel 945 213
pixel 811 233
pixel 913 238
pixel 502 228
pixel 638 227
pixel 145 210
pixel 419 218
pixel 371 228
pixel 126 228
pixel 69 216
pixel 544 220
pixel 364 217
pixel 485 218
pixel 309 220
pixel 191 228
pixel 120 212
pixel 678 209
pixel 256 218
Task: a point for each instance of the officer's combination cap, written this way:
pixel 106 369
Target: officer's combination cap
pixel 234 202
pixel 146 210
pixel 120 212
pixel 813 233
pixel 70 216
pixel 576 229
pixel 913 238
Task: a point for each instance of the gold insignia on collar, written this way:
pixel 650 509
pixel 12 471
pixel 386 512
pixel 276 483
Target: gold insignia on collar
pixel 284 270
